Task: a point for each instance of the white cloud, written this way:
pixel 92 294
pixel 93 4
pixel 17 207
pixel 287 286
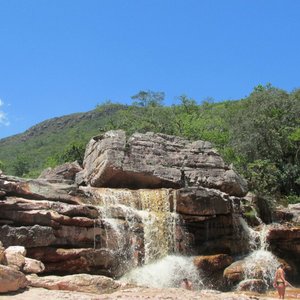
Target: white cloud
pixel 3 118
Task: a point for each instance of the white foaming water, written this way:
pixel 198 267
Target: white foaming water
pixel 260 263
pixel 252 236
pixel 165 273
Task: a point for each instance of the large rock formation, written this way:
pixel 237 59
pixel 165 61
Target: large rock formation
pixel 285 242
pixel 135 200
pixel 154 161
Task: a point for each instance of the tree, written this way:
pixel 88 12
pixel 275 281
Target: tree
pixel 21 166
pixel 2 166
pixel 263 130
pixel 146 113
pixel 148 98
pixel 73 152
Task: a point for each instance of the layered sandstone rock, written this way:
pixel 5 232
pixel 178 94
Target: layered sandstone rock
pixel 154 161
pixel 79 282
pixel 65 172
pixel 98 225
pixel 102 229
pixel 285 242
pixel 38 189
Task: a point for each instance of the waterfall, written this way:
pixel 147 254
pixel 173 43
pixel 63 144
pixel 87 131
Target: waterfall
pixel 145 223
pixel 260 263
pixel 142 223
pixel 159 224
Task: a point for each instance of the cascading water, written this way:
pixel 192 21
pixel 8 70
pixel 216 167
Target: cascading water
pixel 146 236
pixel 158 221
pixel 164 273
pixel 260 263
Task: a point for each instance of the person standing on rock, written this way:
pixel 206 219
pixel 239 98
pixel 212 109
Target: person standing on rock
pixel 280 282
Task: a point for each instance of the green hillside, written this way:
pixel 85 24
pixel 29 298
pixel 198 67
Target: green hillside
pixel 43 144
pixel 259 135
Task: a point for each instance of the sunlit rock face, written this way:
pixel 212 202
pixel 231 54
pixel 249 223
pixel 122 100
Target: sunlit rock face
pixel 156 161
pixel 65 172
pixel 11 279
pixel 285 242
pixel 137 201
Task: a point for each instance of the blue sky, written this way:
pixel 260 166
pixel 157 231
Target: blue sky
pixel 64 56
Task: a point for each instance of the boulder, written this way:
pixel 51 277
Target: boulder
pixel 253 285
pixel 212 263
pixel 62 173
pixel 234 273
pixel 155 161
pixel 15 257
pixel 2 194
pixel 11 279
pixel 211 269
pixel 260 265
pixel 202 202
pixel 33 266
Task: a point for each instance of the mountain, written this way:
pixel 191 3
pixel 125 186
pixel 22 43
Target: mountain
pixel 49 139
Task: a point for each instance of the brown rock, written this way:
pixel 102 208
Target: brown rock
pixel 15 257
pixel 202 202
pixel 11 279
pixel 79 282
pixel 27 236
pixel 234 273
pixel 71 210
pixel 155 161
pixel 33 266
pixel 84 260
pixel 285 242
pixel 39 189
pixel 61 173
pixel 253 285
pixel 212 263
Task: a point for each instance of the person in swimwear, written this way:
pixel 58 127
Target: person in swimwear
pixel 186 284
pixel 280 282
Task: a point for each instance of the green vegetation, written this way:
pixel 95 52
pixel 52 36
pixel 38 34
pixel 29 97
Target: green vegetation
pixel 259 135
